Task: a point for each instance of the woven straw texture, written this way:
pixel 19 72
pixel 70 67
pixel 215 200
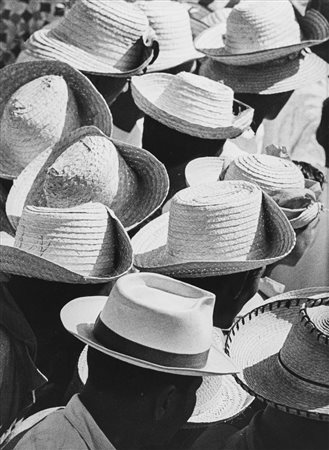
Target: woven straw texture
pixel 284 357
pixel 214 229
pixel 190 104
pixel 96 36
pixel 282 76
pixel 84 244
pixel 171 24
pixel 89 166
pixel 205 170
pixel 258 32
pixel 40 103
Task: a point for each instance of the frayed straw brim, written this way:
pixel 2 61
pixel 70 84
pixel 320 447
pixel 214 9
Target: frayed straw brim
pixel 151 191
pixel 254 342
pixel 92 107
pixel 211 43
pixel 19 262
pixel 268 79
pixel 79 316
pixel 146 90
pixel 151 252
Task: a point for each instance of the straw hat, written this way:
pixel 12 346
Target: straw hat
pixel 89 166
pixel 153 322
pixel 217 399
pixel 84 244
pixel 272 174
pixel 97 36
pixel 40 103
pixel 282 348
pixel 191 104
pixel 257 32
pixel 214 229
pixel 171 23
pixel 203 18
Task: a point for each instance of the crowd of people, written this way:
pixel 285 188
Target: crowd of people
pixel 164 225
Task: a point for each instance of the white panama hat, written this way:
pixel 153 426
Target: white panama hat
pixel 153 322
pixel 40 103
pixel 89 166
pixel 282 347
pixel 103 37
pixel 171 23
pixel 214 229
pixel 191 104
pixel 83 244
pixel 257 32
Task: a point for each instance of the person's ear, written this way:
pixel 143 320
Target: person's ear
pixel 165 402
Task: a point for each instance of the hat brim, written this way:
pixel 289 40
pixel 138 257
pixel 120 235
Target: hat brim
pixel 151 252
pixel 146 90
pixel 151 191
pixel 16 261
pixel 92 107
pixel 169 59
pixel 268 79
pixel 79 316
pixel 262 375
pixel 43 45
pixel 211 43
pixel 204 170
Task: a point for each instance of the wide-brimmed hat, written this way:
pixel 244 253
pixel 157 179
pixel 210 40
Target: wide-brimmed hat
pixel 258 32
pixel 272 174
pixel 282 347
pixel 89 166
pixel 203 18
pixel 97 36
pixel 83 244
pixel 171 23
pixel 40 103
pixel 214 229
pixel 217 399
pixel 153 322
pixel 282 75
pixel 191 104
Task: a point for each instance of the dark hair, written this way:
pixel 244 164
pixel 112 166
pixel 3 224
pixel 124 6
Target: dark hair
pixel 110 374
pixel 310 172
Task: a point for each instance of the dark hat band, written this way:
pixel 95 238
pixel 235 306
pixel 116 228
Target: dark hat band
pixel 113 341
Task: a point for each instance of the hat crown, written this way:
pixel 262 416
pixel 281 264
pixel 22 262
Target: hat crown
pixel 37 115
pixel 305 350
pixel 80 239
pixel 269 172
pixel 113 28
pixel 160 313
pixel 188 94
pixel 217 221
pixel 256 26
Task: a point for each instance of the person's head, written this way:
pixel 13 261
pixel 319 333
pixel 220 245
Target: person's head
pixel 109 87
pixel 152 405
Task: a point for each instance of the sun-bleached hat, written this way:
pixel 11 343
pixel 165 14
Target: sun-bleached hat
pixel 282 348
pixel 153 322
pixel 217 399
pixel 214 229
pixel 191 104
pixel 40 103
pixel 171 23
pixel 83 244
pixel 89 166
pixel 257 32
pixel 97 36
pixel 272 174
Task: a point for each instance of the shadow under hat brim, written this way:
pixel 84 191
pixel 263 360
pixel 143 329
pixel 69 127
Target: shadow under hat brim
pixel 42 45
pixel 92 107
pixel 16 261
pixel 151 252
pixel 211 43
pixel 148 88
pixel 268 79
pixel 79 316
pixel 262 374
pixel 151 191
